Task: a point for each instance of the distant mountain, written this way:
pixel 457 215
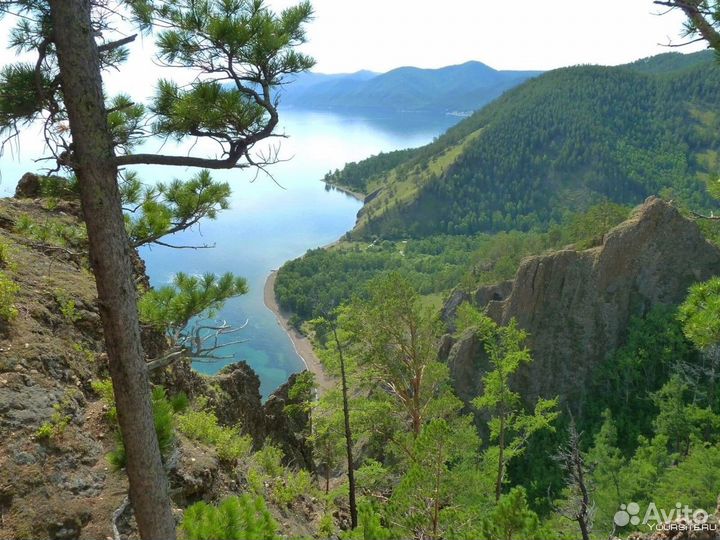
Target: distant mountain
pixel 556 144
pixel 462 88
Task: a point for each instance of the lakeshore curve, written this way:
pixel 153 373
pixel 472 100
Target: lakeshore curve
pixel 301 344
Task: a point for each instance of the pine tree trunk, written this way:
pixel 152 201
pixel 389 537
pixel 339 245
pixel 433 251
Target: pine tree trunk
pixel 501 459
pixel 348 436
pixel 110 259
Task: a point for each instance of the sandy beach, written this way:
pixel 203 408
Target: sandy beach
pixel 302 345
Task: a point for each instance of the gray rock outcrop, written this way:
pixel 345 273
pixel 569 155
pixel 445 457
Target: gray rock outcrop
pixel 576 305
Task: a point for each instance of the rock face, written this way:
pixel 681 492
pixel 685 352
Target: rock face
pixel 238 399
pixel 234 396
pixel 28 187
pixel 481 297
pixel 576 305
pixel 287 430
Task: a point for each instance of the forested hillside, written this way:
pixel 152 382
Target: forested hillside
pixel 560 142
pixel 434 265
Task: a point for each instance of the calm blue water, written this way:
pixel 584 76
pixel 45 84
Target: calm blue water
pixel 268 225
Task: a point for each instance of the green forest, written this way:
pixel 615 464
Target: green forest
pixel 325 278
pixel 561 142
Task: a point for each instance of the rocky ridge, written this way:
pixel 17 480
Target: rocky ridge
pixel 576 304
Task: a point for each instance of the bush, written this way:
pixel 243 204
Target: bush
pixel 4 255
pixel 292 486
pixel 104 389
pixel 8 292
pixel 57 187
pixel 269 461
pixel 51 232
pixel 203 426
pixel 56 426
pixel 163 416
pixel 236 518
pixel 180 402
pixel 60 419
pixel 67 306
pixel 265 468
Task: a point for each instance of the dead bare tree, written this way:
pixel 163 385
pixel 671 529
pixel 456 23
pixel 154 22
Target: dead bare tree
pixel 578 505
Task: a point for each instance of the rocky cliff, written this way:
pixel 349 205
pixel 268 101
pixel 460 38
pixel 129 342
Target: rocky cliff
pixel 62 486
pixel 576 305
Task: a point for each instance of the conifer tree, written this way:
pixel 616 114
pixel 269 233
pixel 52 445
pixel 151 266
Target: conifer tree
pixel 510 424
pixel 239 51
pixel 397 341
pixel 330 325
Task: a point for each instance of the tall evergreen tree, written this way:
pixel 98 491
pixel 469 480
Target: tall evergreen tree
pixel 240 51
pixel 510 424
pixel 338 347
pixel 397 340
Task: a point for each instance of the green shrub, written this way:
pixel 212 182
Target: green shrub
pixel 104 389
pixel 8 293
pixel 292 486
pixel 369 526
pixel 4 255
pixel 57 187
pixel 67 306
pixel 79 347
pixel 203 426
pixel 51 232
pixel 164 427
pixel 265 468
pixel 236 518
pixel 59 420
pixel 45 431
pixel 269 461
pixel 180 402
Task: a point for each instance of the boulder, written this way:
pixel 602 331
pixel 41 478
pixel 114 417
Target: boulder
pixel 28 187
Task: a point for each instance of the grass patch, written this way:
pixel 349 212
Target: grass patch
pixel 203 426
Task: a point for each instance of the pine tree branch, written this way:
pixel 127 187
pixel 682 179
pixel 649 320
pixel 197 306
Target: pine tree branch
pixel 112 45
pixel 698 18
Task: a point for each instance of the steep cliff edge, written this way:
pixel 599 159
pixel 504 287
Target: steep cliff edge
pixel 576 304
pixel 55 479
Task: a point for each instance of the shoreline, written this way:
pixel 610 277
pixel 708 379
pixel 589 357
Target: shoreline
pixel 347 191
pixel 301 344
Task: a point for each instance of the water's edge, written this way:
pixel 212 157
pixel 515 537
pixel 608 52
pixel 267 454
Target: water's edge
pixel 302 345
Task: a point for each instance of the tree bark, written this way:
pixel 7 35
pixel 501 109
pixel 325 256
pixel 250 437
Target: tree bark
pixel 93 162
pixel 501 459
pixel 348 435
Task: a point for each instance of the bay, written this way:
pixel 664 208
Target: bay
pixel 271 220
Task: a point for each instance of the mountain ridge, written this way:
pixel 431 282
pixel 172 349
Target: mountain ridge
pixel 559 142
pixel 456 88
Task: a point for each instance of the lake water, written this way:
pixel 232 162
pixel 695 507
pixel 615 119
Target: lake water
pixel 268 224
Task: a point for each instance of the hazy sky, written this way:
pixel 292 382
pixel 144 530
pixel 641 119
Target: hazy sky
pixel 348 35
